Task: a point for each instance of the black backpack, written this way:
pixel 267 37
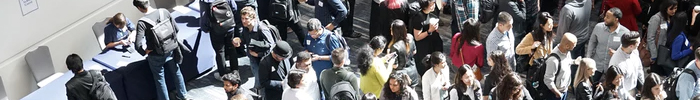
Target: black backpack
pixel 343 90
pixel 671 82
pixel 100 89
pixel 221 16
pixel 164 33
pixel 280 10
pixel 535 77
pixel 275 34
pixel 488 10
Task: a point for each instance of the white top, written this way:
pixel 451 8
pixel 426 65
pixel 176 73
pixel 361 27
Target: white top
pixel 631 66
pixel 432 84
pixel 469 93
pixel 295 94
pixel 310 84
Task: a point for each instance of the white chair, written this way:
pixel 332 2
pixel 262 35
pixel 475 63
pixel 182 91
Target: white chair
pixel 3 93
pixel 40 64
pixel 98 28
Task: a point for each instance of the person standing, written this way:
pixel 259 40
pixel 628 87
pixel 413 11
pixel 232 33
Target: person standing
pixel 223 40
pixel 158 56
pixel 627 59
pixel 604 40
pixel 501 38
pixel 574 18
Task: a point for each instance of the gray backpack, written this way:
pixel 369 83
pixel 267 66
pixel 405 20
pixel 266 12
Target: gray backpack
pixel 164 33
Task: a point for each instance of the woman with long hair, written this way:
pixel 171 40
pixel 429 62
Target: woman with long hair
pixel 583 86
pixel 611 84
pixel 499 68
pixel 466 48
pixel 436 80
pixel 539 42
pixel 466 86
pixel 374 71
pixel 511 88
pixel 397 88
pixel 653 88
pixel 658 26
pixel 391 10
pixel 117 31
pixel 403 62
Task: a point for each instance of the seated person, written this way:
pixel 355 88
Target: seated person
pixel 273 68
pixel 117 31
pixel 232 83
pixel 80 87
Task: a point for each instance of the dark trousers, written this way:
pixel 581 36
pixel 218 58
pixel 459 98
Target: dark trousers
pixel 223 47
pixel 374 17
pixel 347 24
pixel 296 27
pixel 273 91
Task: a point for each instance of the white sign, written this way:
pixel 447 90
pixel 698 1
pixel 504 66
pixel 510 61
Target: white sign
pixel 28 6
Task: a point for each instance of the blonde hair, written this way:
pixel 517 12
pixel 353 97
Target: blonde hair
pixel 249 12
pixel 581 75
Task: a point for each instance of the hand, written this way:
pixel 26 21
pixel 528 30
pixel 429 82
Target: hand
pixel 536 44
pixel 125 42
pixel 330 26
pixel 558 94
pixel 578 60
pixel 599 86
pixel 253 53
pixel 611 51
pixel 148 51
pixel 433 28
pixel 302 1
pixel 236 42
pixel 314 57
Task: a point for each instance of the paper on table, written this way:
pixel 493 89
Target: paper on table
pixel 122 63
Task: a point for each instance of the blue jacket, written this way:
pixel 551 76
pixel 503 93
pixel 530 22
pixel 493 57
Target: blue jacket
pixel 329 11
pixel 204 6
pixel 680 47
pixel 687 87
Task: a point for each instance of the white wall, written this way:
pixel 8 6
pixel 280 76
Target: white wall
pixel 62 25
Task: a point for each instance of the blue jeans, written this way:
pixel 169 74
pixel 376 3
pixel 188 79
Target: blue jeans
pixel 254 63
pixel 157 63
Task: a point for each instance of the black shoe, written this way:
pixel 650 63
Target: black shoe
pixel 353 36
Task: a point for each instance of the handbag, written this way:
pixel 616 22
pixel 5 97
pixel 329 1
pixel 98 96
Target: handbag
pixel 475 68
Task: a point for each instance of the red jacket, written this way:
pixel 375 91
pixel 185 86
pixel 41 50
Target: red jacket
pixel 630 9
pixel 472 54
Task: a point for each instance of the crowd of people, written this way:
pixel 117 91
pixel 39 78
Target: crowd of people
pixel 530 52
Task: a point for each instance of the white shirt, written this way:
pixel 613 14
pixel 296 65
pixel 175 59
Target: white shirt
pixel 432 84
pixel 631 66
pixel 455 96
pixel 295 94
pixel 310 84
pixel 558 77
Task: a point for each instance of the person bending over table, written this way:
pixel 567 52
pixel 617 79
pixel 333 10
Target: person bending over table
pixel 117 31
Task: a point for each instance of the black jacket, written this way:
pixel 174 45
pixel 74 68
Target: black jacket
pixel 518 12
pixel 80 86
pixel 143 30
pixel 267 65
pixel 259 39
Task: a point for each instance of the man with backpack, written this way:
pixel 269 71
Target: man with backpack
pixel 339 82
pixel 260 38
pixel 320 42
pixel 284 14
pixel 86 85
pixel 220 23
pixel 558 72
pixel 274 68
pixel 161 45
pixel 687 85
pixel 627 59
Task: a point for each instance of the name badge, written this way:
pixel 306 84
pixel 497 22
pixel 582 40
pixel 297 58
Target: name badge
pixel 616 39
pixel 308 42
pixel 663 26
pixel 320 3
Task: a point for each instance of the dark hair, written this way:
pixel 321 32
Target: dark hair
pixel 398 28
pixel 509 83
pixel 610 74
pixel 338 56
pixel 303 56
pixel 630 38
pixel 364 59
pixel 616 12
pixel 696 97
pixel 74 63
pixel 402 55
pixel 403 81
pixel 538 34
pixel 459 85
pixel 140 3
pixel 118 19
pixel 314 24
pixel 504 17
pixel 232 77
pixel 377 42
pixel 425 3
pixel 663 8
pixel 294 77
pixel 678 25
pixel 470 33
pixel 501 66
pixel 651 81
pixel 434 58
pixel 369 96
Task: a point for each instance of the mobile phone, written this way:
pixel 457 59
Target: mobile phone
pixel 393 56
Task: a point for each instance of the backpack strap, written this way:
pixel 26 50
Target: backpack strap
pixel 691 72
pixel 152 22
pixel 556 56
pixel 95 80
